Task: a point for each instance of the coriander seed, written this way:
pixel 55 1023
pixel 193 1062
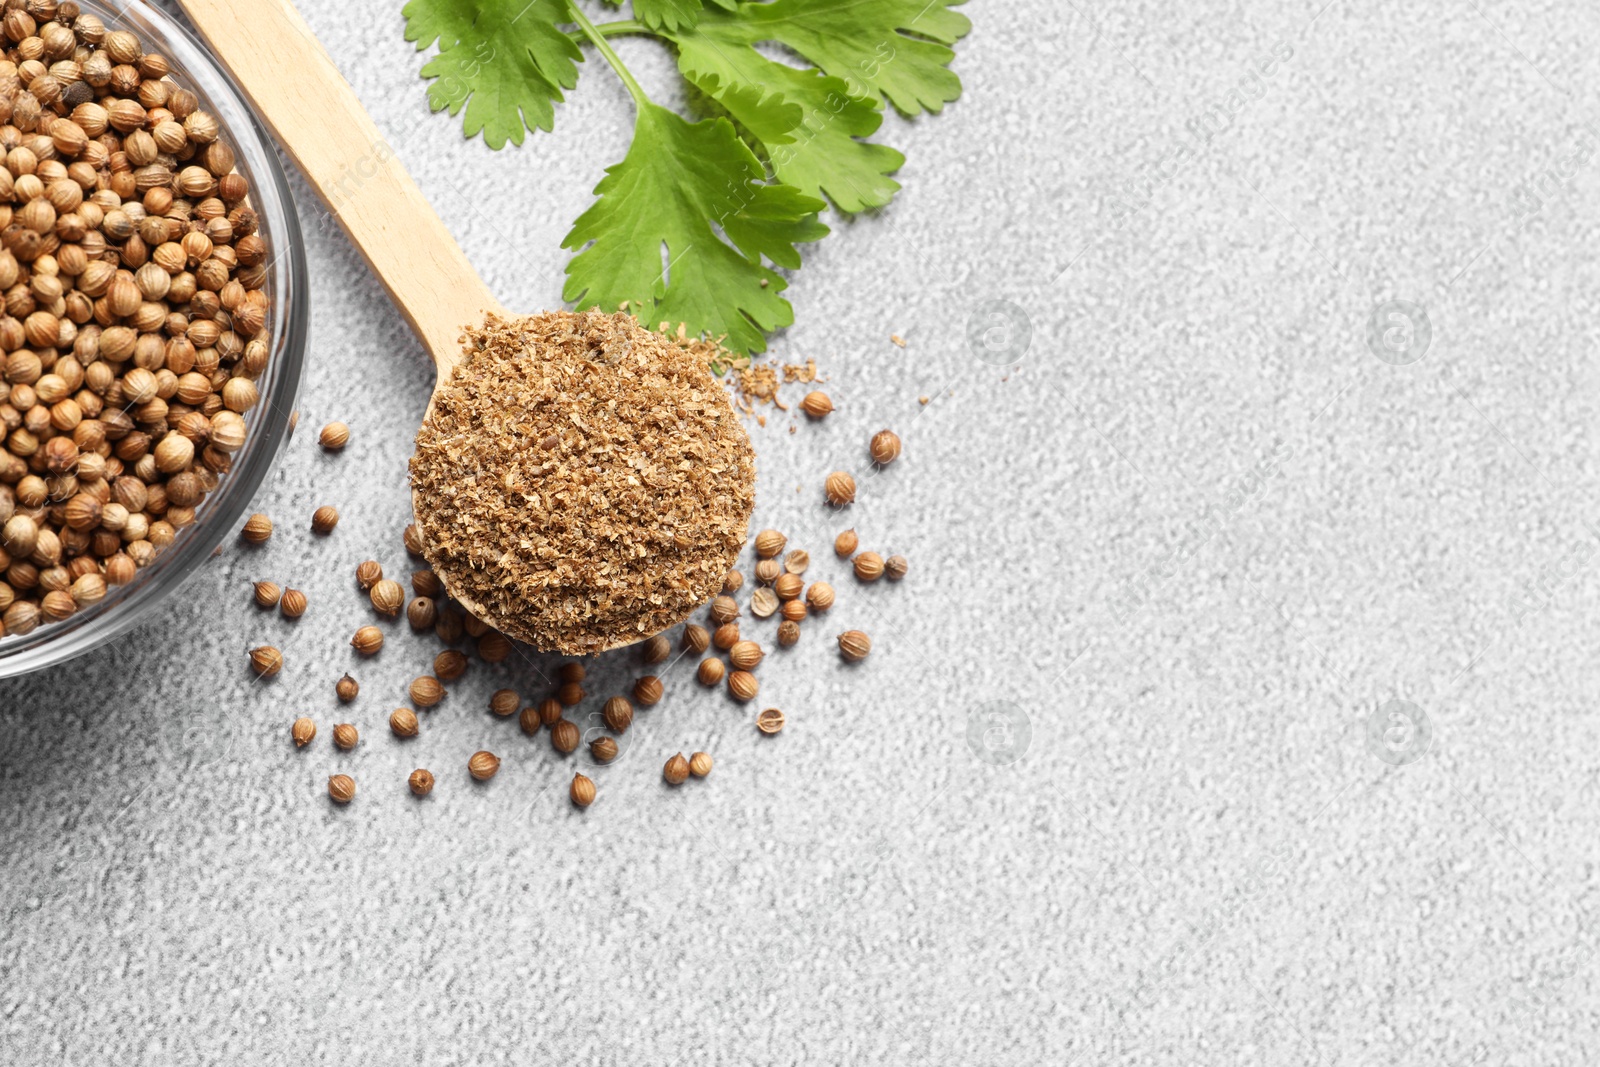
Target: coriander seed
pixel 494 647
pixel 267 594
pixel 647 691
pixel 421 613
pixel 324 519
pixel 504 702
pixel 895 567
pixel 788 586
pixel 564 736
pixel 868 566
pixel 884 447
pixel 724 609
pixel 449 664
pixel 570 695
pixel 710 671
pixel 700 764
pixel 816 405
pixel 266 661
pixel 618 714
pixel 387 597
pixel 550 711
pixel 474 626
pixel 572 672
pixel 427 583
pixel 788 633
pixel 368 574
pixel 732 582
pixel 769 543
pixel 695 638
pixel 845 544
pixel 767 571
pixel 483 765
pixel 346 736
pixel 726 635
pixel 794 611
pixel 840 489
pixel 303 731
pixel 745 655
pixel 450 627
pixel 676 772
pixel 763 602
pixel 403 721
pixel 854 645
pixel 413 540
pixel 342 788
pixel 797 561
pixel 426 692
pixel 257 529
pixel 743 686
pixel 528 720
pixel 656 649
pixel 346 689
pixel 420 782
pixel 603 749
pixel 292 604
pixel 581 791
pixel 367 640
pixel 334 436
pixel 819 596
pixel 770 721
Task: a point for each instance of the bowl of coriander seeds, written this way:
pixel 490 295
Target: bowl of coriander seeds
pixel 155 319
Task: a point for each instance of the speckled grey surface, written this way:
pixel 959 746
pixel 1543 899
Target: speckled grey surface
pixel 1198 534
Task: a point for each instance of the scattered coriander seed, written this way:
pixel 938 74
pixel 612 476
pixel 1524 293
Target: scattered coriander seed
pixel 794 611
pixel 745 655
pixel 368 574
pixel 732 582
pixel 700 764
pixel 346 689
pixel 770 721
pixel 696 639
pixel 788 633
pixel 528 720
pixel 387 597
pixel 342 788
pixel 403 721
pixel 603 749
pixel 504 702
pixel 413 540
pixel 710 671
pixel 346 736
pixel 763 602
pixel 769 543
pixel 257 529
pixel 483 765
pixel 788 586
pixel 726 635
pixel 724 609
pixel 324 519
pixel 570 695
pixel 647 691
pixel 797 561
pixel 845 544
pixel 449 664
pixel 303 731
pixel 564 736
pixel 292 604
pixel 656 649
pixel 421 613
pixel 895 567
pixel 265 661
pixel 426 692
pixel 334 436
pixel 420 782
pixel 854 645
pixel 743 686
pixel 449 628
pixel 816 405
pixel 819 596
pixel 767 571
pixel 582 791
pixel 868 566
pixel 840 489
pixel 474 626
pixel 885 447
pixel 572 672
pixel 267 594
pixel 494 647
pixel 676 772
pixel 367 640
pixel 427 583
pixel 550 711
pixel 618 714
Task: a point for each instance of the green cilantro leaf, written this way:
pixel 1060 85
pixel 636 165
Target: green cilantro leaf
pixel 505 63
pixel 654 233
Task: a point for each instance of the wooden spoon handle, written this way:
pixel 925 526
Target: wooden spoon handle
pixel 277 61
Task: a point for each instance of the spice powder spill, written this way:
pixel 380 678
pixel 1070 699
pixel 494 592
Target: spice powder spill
pixel 582 480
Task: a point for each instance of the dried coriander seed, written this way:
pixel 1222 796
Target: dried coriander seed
pixel 794 611
pixel 426 692
pixel 767 571
pixel 267 594
pixel 292 604
pixel 450 628
pixel 581 791
pixel 696 638
pixel 387 597
pixel 528 720
pixel 788 633
pixel 854 646
pixel 884 447
pixel 368 574
pixel 257 529
pixel 868 566
pixel 494 647
pixel 504 702
pixel 334 436
pixel 845 544
pixel 421 613
pixel 303 732
pixel 770 721
pixel 647 691
pixel 450 665
pixel 676 771
pixel 483 765
pixel 618 714
pixel 743 686
pixel 726 635
pixel 603 749
pixel 341 788
pixel 550 711
pixel 840 489
pixel 367 640
pixel 403 721
pixel 816 405
pixel 745 655
pixel 656 649
pixel 797 561
pixel 763 602
pixel 732 582
pixel 572 672
pixel 819 596
pixel 570 695
pixel 895 567
pixel 724 609
pixel 474 626
pixel 788 586
pixel 700 764
pixel 324 519
pixel 346 736
pixel 769 543
pixel 564 737
pixel 413 540
pixel 710 671
pixel 427 583
pixel 420 782
pixel 346 689
pixel 265 661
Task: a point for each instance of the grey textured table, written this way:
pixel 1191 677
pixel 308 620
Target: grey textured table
pixel 1192 545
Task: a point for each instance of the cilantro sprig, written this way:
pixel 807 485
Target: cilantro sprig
pixel 688 227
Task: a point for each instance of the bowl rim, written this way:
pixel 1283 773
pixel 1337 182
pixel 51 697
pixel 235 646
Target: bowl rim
pixel 270 421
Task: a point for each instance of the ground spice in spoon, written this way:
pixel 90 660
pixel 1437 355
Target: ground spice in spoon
pixel 586 481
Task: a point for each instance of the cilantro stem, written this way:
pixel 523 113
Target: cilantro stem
pixel 621 27
pixel 602 46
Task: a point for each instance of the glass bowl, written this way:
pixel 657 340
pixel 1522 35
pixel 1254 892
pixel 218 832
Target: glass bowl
pixel 268 421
